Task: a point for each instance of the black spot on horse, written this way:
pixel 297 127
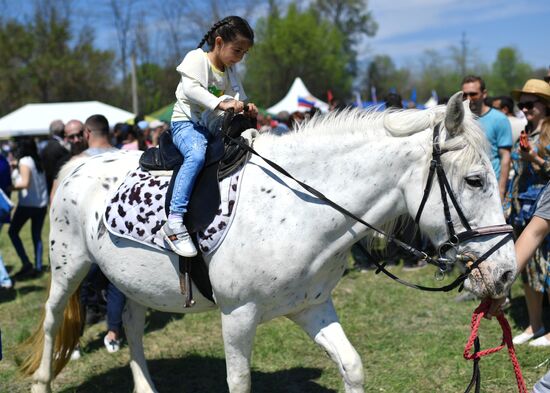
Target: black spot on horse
pixel 222 225
pixel 159 208
pixel 73 202
pixel 141 209
pixel 52 242
pixel 101 229
pixel 115 198
pixel 113 223
pixel 140 232
pixel 121 211
pixel 105 186
pixel 158 197
pixel 107 212
pixel 234 187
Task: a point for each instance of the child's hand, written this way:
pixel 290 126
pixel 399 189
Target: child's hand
pixel 228 104
pixel 252 110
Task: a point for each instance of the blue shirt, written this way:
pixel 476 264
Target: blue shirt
pixel 499 133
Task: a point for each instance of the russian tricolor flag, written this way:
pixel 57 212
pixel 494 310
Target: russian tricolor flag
pixel 303 102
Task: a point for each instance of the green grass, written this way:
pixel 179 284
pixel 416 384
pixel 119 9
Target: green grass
pixel 410 341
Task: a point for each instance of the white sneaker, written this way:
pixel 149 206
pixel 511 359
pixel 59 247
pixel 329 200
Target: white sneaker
pixel 111 345
pixel 179 240
pixel 6 285
pixel 76 354
pixel 524 337
pixel 542 341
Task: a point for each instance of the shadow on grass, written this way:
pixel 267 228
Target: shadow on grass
pixel 195 374
pixel 156 320
pixel 518 312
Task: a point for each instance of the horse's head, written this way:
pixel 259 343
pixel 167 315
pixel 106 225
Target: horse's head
pixel 473 229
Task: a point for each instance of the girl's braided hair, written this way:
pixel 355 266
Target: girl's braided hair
pixel 228 28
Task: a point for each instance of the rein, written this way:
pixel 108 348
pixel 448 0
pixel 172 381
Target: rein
pixel 445 188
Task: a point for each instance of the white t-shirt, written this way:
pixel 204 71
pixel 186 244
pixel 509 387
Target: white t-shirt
pixel 202 87
pixel 36 195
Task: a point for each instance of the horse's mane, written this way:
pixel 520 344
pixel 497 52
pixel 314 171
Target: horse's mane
pixel 465 149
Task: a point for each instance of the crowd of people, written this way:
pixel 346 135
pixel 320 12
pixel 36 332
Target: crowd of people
pixel 30 168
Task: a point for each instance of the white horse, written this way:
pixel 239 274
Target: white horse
pixel 286 250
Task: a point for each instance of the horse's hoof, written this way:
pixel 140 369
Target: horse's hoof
pixel 41 388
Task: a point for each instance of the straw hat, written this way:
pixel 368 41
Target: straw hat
pixel 537 87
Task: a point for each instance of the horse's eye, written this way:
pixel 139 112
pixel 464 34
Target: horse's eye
pixel 474 181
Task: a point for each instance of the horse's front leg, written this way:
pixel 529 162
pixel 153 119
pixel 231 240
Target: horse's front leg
pixel 239 328
pixel 134 325
pixel 321 323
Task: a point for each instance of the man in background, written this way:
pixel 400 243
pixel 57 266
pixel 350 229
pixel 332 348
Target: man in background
pixel 496 126
pixel 505 104
pixel 54 154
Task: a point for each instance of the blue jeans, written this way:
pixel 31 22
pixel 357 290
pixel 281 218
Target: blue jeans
pixel 191 140
pixel 90 293
pixel 4 276
pixel 20 217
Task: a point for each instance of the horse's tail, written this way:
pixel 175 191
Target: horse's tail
pixel 66 340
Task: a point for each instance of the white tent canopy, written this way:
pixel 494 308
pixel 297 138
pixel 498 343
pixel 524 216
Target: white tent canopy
pixel 35 119
pixel 298 98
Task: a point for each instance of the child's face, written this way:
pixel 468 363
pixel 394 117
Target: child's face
pixel 232 52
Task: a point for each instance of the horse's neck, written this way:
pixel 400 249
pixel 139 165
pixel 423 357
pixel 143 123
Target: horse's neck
pixel 352 170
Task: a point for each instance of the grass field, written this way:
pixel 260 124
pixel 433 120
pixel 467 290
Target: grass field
pixel 410 341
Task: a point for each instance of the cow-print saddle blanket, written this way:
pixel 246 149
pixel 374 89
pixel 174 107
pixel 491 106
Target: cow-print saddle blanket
pixel 136 210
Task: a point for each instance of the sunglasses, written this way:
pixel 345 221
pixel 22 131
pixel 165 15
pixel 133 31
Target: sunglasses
pixel 75 136
pixel 465 94
pixel 528 105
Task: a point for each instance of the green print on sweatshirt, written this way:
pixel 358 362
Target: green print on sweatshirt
pixel 214 90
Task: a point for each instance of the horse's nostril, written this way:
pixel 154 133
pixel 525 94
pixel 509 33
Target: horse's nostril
pixel 507 276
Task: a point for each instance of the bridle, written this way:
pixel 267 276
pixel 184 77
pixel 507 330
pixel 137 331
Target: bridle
pixel 454 239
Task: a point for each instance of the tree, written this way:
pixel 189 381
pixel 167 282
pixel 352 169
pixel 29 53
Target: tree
pixel 297 44
pixel 509 72
pixel 352 19
pixel 383 76
pixel 42 65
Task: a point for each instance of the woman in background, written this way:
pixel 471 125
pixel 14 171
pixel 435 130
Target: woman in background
pixel 30 180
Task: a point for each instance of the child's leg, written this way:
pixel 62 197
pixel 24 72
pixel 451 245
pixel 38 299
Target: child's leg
pixel 191 140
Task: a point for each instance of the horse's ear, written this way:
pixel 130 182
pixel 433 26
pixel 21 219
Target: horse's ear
pixel 454 115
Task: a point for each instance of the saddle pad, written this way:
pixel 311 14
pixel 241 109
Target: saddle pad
pixel 136 210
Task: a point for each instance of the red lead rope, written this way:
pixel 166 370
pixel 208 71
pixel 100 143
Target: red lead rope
pixel 477 316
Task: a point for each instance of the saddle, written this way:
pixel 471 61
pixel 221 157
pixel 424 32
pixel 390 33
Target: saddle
pixel 205 198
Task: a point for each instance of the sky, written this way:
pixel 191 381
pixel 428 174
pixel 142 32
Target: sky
pixel 409 27
pixel 406 27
